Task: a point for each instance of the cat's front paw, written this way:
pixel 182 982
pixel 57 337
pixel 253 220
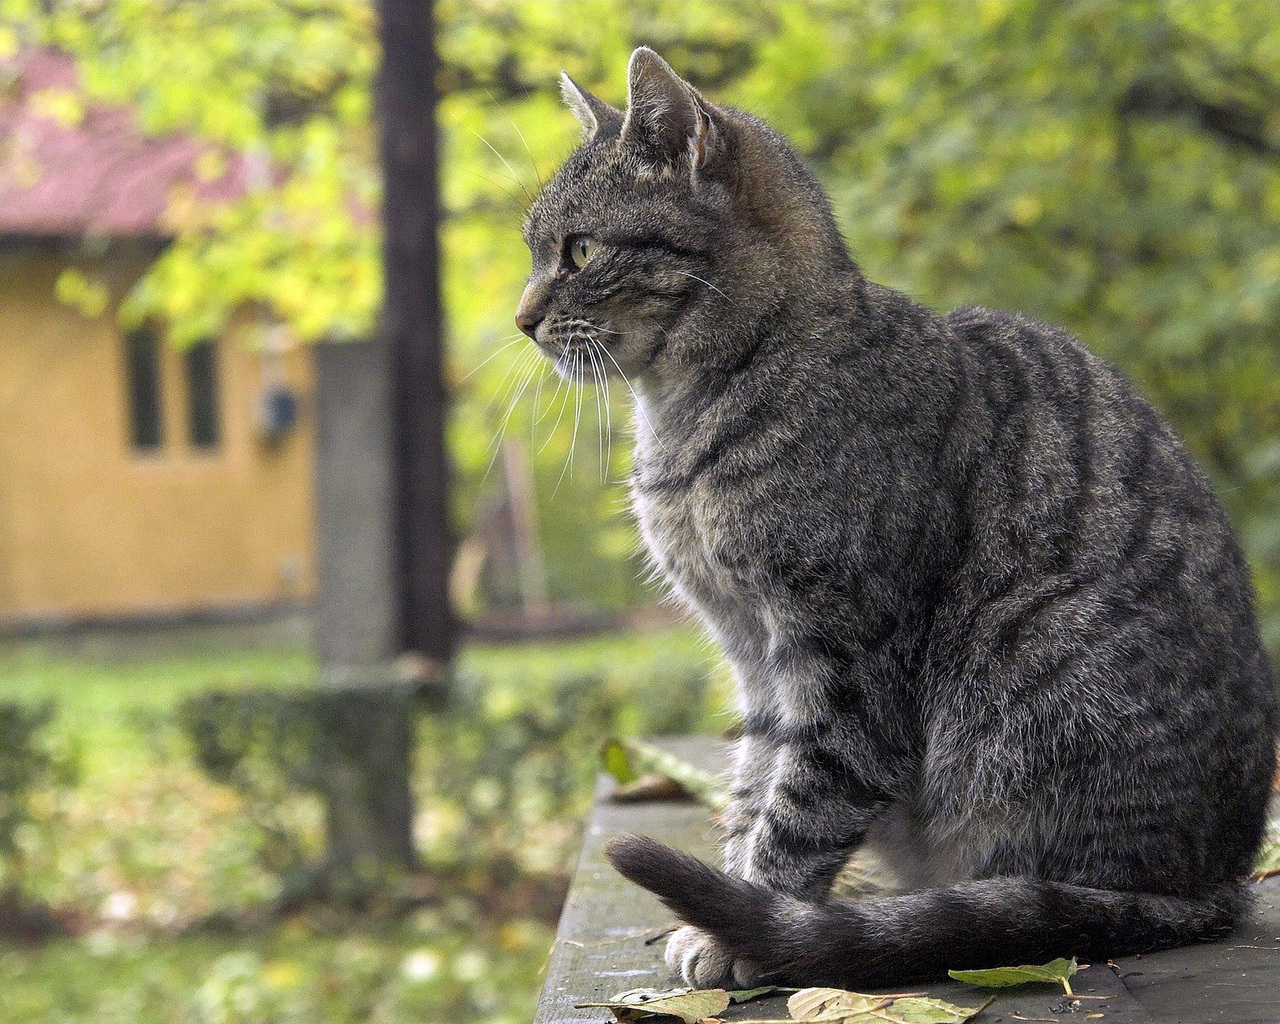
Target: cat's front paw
pixel 704 963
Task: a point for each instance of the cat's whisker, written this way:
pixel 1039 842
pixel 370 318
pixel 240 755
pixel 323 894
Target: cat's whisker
pixel 528 372
pixel 597 374
pixel 499 396
pixel 532 162
pixel 511 121
pixel 523 372
pixel 515 340
pixel 537 402
pixel 513 196
pixel 591 362
pixel 639 405
pixel 604 376
pixel 573 440
pixel 510 170
pixel 685 273
pixel 608 414
pixel 552 432
pixel 551 404
pixel 577 408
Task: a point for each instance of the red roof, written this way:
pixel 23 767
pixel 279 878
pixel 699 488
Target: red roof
pixel 92 174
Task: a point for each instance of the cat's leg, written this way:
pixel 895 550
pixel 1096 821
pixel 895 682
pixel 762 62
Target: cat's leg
pixel 797 816
pixel 691 952
pixel 815 811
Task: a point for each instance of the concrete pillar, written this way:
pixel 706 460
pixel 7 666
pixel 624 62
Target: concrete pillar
pixel 356 615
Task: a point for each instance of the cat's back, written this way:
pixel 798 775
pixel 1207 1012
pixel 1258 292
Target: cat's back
pixel 1084 506
pixel 1071 450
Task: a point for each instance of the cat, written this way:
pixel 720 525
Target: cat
pixel 984 612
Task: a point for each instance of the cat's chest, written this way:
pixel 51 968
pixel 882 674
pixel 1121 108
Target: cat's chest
pixel 702 543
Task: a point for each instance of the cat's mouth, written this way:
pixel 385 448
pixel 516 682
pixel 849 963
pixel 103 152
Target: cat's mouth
pixel 589 352
pixel 575 356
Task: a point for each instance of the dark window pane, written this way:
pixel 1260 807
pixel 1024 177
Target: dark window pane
pixel 203 425
pixel 142 368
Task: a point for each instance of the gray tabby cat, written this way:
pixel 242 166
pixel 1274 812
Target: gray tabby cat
pixel 984 610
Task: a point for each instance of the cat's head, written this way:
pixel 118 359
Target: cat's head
pixel 673 228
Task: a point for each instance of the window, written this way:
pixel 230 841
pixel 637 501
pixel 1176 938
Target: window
pixel 200 366
pixel 142 370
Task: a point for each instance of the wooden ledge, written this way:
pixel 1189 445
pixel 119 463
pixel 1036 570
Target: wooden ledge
pixel 610 940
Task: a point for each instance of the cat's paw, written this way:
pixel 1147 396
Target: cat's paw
pixel 704 963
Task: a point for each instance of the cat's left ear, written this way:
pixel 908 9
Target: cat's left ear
pixel 593 113
pixel 666 118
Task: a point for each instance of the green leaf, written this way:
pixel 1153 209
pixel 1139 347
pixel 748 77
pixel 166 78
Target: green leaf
pixel 613 755
pixel 921 1010
pixel 687 1005
pixel 1055 972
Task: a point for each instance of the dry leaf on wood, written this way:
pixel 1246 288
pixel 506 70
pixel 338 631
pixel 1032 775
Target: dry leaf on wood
pixel 688 1005
pixel 838 1006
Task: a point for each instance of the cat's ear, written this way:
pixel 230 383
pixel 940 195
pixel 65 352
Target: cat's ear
pixel 666 118
pixel 592 113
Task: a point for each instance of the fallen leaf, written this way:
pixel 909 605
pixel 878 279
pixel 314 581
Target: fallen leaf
pixel 688 1005
pixel 649 787
pixel 812 1003
pixel 629 759
pixel 1056 972
pixel 613 755
pixel 919 1010
pixel 640 995
pixel 1268 861
pixel 838 1006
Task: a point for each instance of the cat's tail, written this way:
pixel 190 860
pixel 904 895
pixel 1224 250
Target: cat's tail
pixel 887 940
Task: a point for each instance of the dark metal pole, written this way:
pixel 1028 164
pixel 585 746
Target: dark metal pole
pixel 411 323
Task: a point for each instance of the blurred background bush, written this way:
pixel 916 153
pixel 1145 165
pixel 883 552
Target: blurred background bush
pixel 1114 167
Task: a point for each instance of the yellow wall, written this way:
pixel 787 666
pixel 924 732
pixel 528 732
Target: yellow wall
pixel 88 527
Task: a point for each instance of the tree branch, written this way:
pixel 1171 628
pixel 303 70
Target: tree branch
pixel 1234 123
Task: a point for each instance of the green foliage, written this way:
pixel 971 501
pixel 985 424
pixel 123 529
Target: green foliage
pixel 265 746
pixel 31 767
pixel 288 86
pixel 440 965
pixel 147 842
pixel 1112 167
pixel 503 790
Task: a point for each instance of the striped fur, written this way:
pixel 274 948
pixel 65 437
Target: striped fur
pixel 985 612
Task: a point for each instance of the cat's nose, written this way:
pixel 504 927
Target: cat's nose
pixel 527 320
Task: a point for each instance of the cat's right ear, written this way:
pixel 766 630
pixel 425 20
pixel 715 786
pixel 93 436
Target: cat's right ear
pixel 666 118
pixel 592 113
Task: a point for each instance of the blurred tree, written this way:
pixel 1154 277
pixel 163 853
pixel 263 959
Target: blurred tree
pixel 410 322
pixel 1112 167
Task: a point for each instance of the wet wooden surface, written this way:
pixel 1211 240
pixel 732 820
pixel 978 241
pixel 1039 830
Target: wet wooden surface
pixel 610 940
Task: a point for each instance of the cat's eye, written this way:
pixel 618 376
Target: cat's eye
pixel 581 248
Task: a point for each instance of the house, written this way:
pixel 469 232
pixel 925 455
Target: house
pixel 137 481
